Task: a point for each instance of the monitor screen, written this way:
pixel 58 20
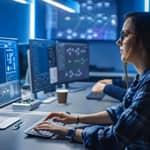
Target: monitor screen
pixel 42 65
pixel 9 71
pixel 97 20
pixel 72 61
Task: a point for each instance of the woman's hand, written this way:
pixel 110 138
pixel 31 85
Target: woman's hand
pixel 100 85
pixel 59 130
pixel 106 81
pixel 52 127
pixel 62 117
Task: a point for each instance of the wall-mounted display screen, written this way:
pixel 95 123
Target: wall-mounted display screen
pixel 97 20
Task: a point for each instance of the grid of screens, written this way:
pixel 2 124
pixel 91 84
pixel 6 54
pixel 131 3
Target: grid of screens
pixel 72 61
pixel 42 65
pixel 9 71
pixel 97 20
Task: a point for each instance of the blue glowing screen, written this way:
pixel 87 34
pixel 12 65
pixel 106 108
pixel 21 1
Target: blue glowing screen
pixel 97 20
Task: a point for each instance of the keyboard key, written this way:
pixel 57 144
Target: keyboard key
pixel 41 133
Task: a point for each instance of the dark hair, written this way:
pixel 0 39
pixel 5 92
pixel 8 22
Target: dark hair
pixel 141 21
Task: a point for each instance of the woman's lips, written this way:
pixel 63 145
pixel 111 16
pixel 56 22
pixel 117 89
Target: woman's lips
pixel 121 51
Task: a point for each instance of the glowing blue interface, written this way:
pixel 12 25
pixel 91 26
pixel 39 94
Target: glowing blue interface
pixel 9 71
pixel 72 61
pixel 97 20
pixel 42 61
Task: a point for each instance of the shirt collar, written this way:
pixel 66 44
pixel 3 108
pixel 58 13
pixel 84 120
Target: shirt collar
pixel 145 73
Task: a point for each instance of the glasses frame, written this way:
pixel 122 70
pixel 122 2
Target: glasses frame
pixel 125 33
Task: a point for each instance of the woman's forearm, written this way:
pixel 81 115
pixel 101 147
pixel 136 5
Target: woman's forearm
pixel 96 118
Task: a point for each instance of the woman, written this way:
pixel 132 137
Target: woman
pixel 128 123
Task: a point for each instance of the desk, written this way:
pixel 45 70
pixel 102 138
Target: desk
pixel 77 103
pixel 16 140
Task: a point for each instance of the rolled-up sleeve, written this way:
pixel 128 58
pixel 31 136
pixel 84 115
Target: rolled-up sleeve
pixel 115 112
pixel 114 137
pixel 99 138
pixel 115 91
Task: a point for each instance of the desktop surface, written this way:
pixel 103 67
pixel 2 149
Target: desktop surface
pixel 23 142
pixel 77 103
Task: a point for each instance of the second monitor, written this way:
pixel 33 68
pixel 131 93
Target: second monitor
pixel 72 61
pixel 42 65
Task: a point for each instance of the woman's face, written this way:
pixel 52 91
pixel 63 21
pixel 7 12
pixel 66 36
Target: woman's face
pixel 127 42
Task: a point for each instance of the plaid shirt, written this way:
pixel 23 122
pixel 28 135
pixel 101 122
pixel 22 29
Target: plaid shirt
pixel 131 128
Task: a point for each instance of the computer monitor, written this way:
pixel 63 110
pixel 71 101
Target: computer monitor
pixel 72 61
pixel 42 65
pixel 23 62
pixel 9 71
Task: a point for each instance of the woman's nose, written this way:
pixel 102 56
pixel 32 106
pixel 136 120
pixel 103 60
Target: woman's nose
pixel 118 42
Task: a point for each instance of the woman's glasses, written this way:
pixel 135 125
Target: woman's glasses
pixel 125 33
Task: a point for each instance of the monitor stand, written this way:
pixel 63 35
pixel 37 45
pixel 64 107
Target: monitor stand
pixel 46 98
pixel 75 87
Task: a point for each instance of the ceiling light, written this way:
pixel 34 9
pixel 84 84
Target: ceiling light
pixel 67 5
pixel 146 7
pixel 21 1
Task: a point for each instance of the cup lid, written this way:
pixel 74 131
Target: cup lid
pixel 62 90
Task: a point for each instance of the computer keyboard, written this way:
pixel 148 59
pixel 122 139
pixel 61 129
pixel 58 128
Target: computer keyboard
pixel 96 96
pixel 40 133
